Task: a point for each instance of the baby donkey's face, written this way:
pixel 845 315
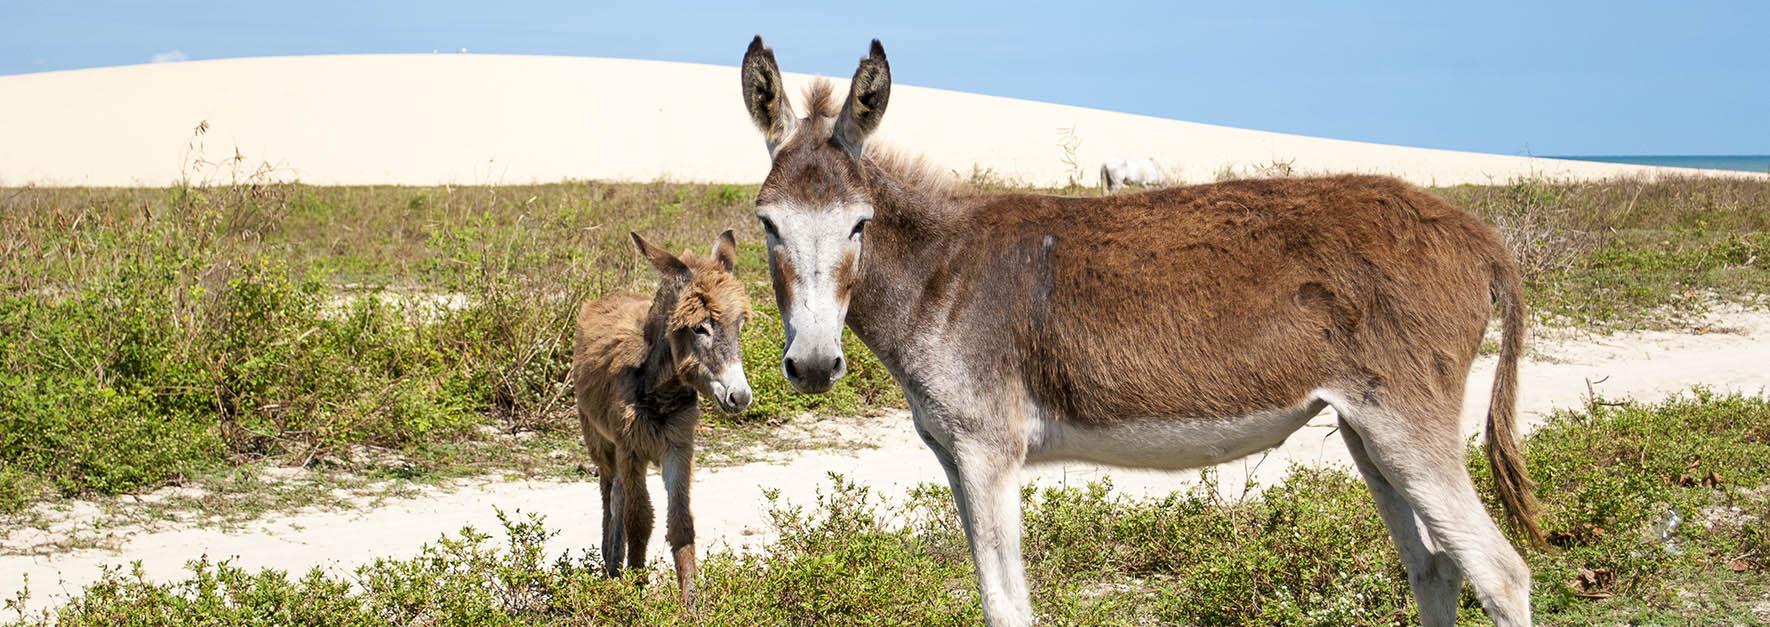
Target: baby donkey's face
pixel 705 325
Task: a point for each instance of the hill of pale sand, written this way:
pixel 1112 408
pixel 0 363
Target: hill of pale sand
pixel 490 119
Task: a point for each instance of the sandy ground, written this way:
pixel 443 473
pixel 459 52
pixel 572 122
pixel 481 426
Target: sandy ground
pixel 491 119
pixel 730 506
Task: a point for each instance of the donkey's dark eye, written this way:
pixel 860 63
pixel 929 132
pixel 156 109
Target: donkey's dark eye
pixel 768 227
pixel 859 227
pixel 703 329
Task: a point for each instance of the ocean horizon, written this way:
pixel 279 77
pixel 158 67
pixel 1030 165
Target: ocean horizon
pixel 1741 163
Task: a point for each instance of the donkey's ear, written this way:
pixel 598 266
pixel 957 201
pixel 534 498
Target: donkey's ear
pixel 661 259
pixel 867 97
pixel 725 250
pixel 765 97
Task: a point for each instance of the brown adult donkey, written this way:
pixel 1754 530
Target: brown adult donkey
pixel 1169 329
pixel 639 366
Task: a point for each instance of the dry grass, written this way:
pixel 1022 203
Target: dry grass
pixel 1550 223
pixel 369 234
pixel 1635 252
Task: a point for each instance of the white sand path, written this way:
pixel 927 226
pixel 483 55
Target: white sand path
pixel 729 502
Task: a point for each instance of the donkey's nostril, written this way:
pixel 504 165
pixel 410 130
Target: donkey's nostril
pixel 740 398
pixel 836 366
pixel 792 370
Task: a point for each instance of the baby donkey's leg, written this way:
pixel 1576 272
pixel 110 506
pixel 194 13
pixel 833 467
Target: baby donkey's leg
pixel 678 469
pixel 638 510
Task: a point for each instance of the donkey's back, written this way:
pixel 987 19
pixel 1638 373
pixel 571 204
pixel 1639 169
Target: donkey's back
pixel 1232 298
pixel 610 344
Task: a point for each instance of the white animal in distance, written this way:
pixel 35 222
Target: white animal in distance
pixel 1115 175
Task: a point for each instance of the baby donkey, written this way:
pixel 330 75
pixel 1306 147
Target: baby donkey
pixel 638 369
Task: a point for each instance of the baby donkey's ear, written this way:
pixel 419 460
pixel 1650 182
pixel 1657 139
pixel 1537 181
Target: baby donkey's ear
pixel 725 250
pixel 661 259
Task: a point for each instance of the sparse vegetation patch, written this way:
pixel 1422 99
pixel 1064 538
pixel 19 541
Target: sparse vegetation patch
pixel 1659 513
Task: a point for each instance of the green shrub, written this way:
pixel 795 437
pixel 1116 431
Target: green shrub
pixel 1309 550
pixel 179 358
pixel 81 436
pixel 1612 477
pixel 100 392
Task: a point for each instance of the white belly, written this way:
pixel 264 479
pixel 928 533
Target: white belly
pixel 1166 443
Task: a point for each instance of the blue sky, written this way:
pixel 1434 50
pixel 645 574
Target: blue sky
pixel 1541 78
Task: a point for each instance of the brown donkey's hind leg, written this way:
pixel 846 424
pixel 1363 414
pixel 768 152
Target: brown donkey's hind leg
pixel 620 511
pixel 602 454
pixel 639 512
pixel 606 479
pixel 1432 573
pixel 1419 453
pixel 626 508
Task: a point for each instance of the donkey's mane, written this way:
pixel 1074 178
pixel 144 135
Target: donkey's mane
pixel 912 170
pixel 820 99
pixel 711 293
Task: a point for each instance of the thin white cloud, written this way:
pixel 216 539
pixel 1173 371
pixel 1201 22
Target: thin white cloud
pixel 169 56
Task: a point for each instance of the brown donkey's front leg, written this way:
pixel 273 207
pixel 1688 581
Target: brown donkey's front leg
pixel 678 470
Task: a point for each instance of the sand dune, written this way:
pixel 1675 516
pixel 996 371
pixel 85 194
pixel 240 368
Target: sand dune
pixel 489 119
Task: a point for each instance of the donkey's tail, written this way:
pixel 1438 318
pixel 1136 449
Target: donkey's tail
pixel 1511 479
